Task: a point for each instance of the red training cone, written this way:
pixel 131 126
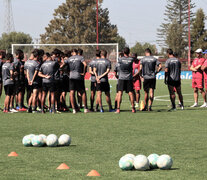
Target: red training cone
pixel 93 173
pixel 63 166
pixel 13 154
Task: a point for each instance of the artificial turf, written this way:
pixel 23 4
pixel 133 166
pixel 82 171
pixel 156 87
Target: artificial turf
pixel 99 140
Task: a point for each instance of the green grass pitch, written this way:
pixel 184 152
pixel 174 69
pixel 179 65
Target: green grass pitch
pixel 99 140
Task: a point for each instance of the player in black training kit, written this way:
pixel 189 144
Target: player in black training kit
pixel 101 69
pixel 93 81
pixel 125 82
pixel 148 67
pixel 8 80
pixel 172 78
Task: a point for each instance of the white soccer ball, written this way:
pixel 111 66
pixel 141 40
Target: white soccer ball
pixel 126 163
pixel 52 140
pixel 130 155
pixel 44 137
pixel 26 141
pixel 64 140
pixel 141 163
pixel 153 160
pixel 164 162
pixel 37 141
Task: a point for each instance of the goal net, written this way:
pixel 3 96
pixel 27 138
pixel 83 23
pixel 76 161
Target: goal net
pixel 88 49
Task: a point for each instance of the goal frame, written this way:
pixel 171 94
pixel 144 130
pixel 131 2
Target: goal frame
pixel 91 44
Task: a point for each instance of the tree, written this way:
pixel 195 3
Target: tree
pixel 122 42
pixel 6 40
pixel 75 22
pixel 198 31
pixel 176 15
pixel 140 48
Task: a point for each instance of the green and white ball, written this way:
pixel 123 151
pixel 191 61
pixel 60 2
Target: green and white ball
pixel 165 162
pixel 130 155
pixel 52 140
pixel 126 163
pixel 141 163
pixel 64 140
pixel 26 141
pixel 37 141
pixel 153 160
pixel 44 137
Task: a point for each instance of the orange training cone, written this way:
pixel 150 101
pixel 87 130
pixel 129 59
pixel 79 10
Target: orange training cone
pixel 13 154
pixel 142 105
pixel 63 166
pixel 93 173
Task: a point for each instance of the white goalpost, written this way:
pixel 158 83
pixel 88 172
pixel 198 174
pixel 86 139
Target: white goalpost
pixel 89 49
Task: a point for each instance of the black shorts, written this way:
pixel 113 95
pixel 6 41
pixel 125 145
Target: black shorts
pixel 93 86
pixel 64 84
pixel 32 87
pixel 9 90
pixel 77 85
pixel 125 85
pixel 57 86
pixel 174 83
pixel 149 84
pixel 48 87
pixel 103 87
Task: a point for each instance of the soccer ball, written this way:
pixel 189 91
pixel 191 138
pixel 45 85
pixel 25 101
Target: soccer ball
pixel 64 140
pixel 164 162
pixel 37 141
pixel 26 141
pixel 153 160
pixel 52 140
pixel 126 163
pixel 141 163
pixel 130 155
pixel 31 136
pixel 43 137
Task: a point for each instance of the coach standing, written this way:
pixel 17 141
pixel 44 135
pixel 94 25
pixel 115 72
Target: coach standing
pixel 172 78
pixel 148 67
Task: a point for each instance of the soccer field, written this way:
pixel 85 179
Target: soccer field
pixel 99 140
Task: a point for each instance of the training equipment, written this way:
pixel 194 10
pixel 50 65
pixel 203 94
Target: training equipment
pixel 26 141
pixel 31 136
pixel 37 141
pixel 12 154
pixel 64 140
pixel 141 163
pixel 126 163
pixel 93 173
pixel 52 140
pixel 164 162
pixel 44 137
pixel 63 166
pixel 153 160
pixel 130 155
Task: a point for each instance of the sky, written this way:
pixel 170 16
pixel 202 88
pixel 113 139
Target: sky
pixel 137 20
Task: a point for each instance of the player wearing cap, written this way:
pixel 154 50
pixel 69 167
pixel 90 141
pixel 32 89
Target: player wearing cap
pixel 8 80
pixel 93 81
pixel 32 69
pixel 47 72
pixel 76 78
pixel 204 69
pixel 101 69
pixel 125 81
pixel 149 67
pixel 197 79
pixel 172 78
pixel 136 79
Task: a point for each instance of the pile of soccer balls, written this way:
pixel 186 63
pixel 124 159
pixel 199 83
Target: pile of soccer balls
pixel 42 140
pixel 143 163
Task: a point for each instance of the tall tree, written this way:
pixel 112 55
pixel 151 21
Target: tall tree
pixel 122 42
pixel 75 22
pixel 176 14
pixel 6 40
pixel 198 32
pixel 140 48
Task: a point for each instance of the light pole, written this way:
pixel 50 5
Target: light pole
pixel 189 36
pixel 97 36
